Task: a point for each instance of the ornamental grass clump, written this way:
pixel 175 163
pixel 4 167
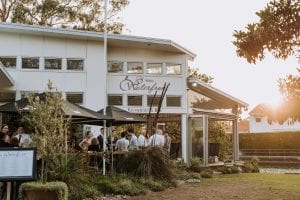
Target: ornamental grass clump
pixel 150 162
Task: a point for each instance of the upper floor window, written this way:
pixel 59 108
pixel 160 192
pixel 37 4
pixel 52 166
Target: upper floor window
pixel 135 100
pixel 9 62
pixel 75 97
pixel 135 68
pixel 114 100
pixel 174 101
pixel 154 68
pixel 115 67
pixel 257 119
pixel 52 63
pixel 7 96
pixel 30 63
pixel 75 64
pixel 173 68
pixel 154 100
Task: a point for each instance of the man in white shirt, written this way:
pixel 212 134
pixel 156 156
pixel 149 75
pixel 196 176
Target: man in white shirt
pixel 122 143
pixel 24 139
pixel 157 139
pixel 133 143
pixel 142 141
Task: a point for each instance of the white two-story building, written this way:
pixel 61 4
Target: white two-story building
pixel 136 68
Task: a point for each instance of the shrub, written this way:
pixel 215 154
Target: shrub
pixel 153 185
pixel 207 173
pixel 59 188
pixel 229 170
pixel 70 170
pixel 119 185
pixel 195 164
pixel 251 166
pixel 193 176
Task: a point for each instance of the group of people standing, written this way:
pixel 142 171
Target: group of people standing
pixel 127 140
pixel 17 139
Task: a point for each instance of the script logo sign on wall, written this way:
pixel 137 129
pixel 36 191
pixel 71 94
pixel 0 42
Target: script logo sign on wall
pixel 140 84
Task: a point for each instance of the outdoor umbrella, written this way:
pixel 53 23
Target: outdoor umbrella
pixel 78 114
pixel 121 116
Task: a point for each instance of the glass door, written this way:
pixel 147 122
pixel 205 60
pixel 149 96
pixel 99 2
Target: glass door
pixel 197 138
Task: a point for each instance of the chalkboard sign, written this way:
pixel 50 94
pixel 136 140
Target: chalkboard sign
pixel 17 164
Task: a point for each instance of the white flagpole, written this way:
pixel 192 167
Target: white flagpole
pixel 105 89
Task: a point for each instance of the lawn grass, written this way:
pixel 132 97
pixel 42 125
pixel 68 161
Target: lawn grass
pixel 250 186
pixel 279 182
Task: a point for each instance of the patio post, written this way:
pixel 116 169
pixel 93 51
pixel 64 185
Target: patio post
pixel 235 138
pixel 205 140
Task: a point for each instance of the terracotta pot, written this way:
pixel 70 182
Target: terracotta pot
pixel 35 194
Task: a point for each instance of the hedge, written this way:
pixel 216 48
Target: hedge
pixel 278 140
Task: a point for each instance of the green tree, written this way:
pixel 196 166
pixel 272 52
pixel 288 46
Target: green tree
pixel 76 14
pixel 277 32
pixel 51 127
pixel 195 73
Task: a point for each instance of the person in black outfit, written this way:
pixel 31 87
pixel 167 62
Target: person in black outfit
pixel 2 142
pixel 100 139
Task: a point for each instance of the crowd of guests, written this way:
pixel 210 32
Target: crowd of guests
pixel 126 140
pixel 16 139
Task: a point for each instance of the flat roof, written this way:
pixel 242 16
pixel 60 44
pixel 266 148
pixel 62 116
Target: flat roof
pixel 113 39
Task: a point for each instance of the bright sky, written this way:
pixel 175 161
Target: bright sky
pixel 206 28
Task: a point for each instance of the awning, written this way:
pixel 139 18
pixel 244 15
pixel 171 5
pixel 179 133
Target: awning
pixel 217 98
pixel 122 116
pixel 5 78
pixel 212 114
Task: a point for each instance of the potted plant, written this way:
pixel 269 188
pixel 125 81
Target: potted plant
pixel 50 136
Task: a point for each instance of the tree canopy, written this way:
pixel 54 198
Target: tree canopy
pixel 195 73
pixel 76 14
pixel 277 31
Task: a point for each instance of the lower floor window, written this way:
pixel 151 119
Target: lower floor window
pixel 75 97
pixel 114 100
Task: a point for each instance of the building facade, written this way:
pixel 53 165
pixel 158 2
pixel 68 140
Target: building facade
pixel 260 123
pixel 137 68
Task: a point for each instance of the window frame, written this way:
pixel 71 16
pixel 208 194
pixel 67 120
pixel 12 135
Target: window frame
pixel 60 67
pixel 130 62
pixel 153 63
pixel 115 61
pixel 75 59
pixel 9 57
pixel 258 119
pixel 141 96
pixel 75 93
pixel 149 102
pixel 114 95
pixel 174 96
pixel 173 64
pixel 35 58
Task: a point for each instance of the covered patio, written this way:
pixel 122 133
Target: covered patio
pixel 207 103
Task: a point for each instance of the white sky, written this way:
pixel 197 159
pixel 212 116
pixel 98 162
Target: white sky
pixel 206 28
